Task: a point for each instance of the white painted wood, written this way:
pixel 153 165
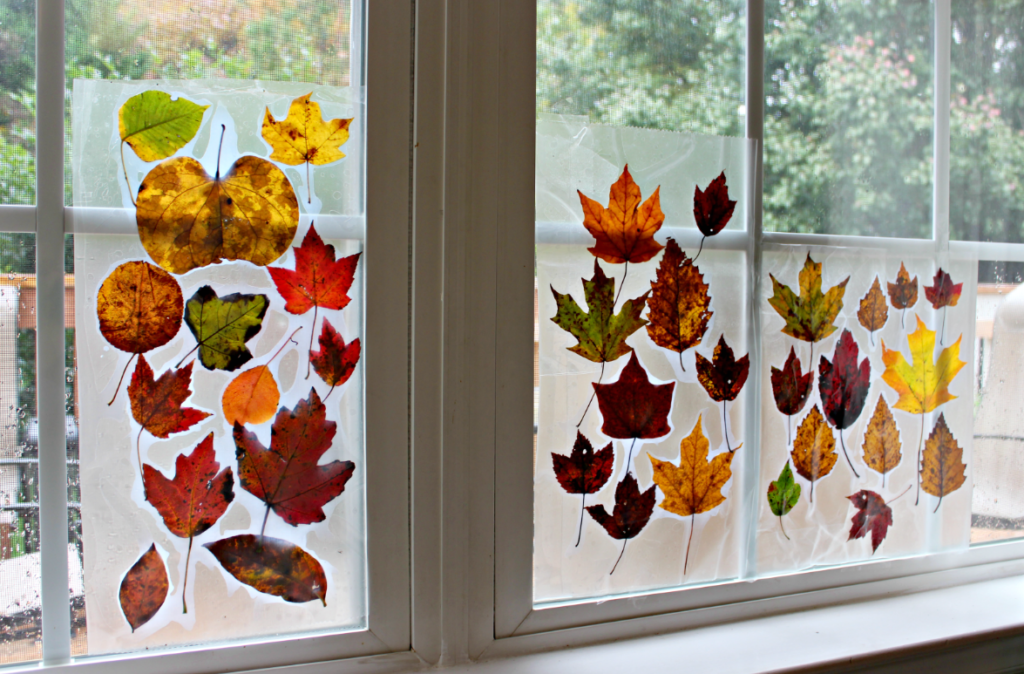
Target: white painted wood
pixel 17 218
pixel 93 220
pixel 940 167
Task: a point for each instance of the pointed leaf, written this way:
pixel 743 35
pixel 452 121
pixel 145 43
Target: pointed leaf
pixel 811 315
pixel 842 384
pixel 942 292
pixel 872 515
pixel 584 471
pixel 272 566
pixel 222 326
pixel 678 304
pixel 943 469
pixel 814 450
pixel 156 126
pixel 631 513
pixel 144 588
pixel 784 493
pixel 335 361
pixel 882 440
pixel 625 230
pixel 196 497
pixel 873 312
pixel 139 306
pixel 903 293
pixel 723 378
pixel 318 280
pixel 695 485
pixel 303 136
pixel 633 407
pixel 712 208
pixel 157 405
pixel 789 386
pixel 924 384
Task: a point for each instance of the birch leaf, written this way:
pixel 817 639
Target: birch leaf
pixel 873 311
pixel 678 307
pixel 882 440
pixel 814 450
pixel 943 469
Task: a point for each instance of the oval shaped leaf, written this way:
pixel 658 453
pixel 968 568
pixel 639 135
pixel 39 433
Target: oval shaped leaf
pixel 156 126
pixel 144 588
pixel 272 566
pixel 251 397
pixel 222 326
pixel 139 307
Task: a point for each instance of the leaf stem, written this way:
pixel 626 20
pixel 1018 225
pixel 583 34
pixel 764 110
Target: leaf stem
pixel 624 541
pixel 138 454
pixel 937 506
pixel 579 535
pixel 312 333
pixel 900 494
pixel 842 443
pixel 630 457
pixel 872 339
pixel 191 351
pixel 124 167
pixel 681 366
pixel 125 370
pixel 184 583
pixel 264 527
pixel 686 561
pixel 286 343
pixel 329 393
pixel 622 284
pixel 783 527
pixel 920 443
pixel 789 429
pixel 309 188
pixel 812 491
pixel 903 322
pixel 694 261
pixel 220 147
pixel 592 396
pixel 942 333
pixel 725 428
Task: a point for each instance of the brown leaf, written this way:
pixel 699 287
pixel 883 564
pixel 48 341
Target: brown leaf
pixel 272 566
pixel 903 293
pixel 144 588
pixel 724 376
pixel 139 307
pixel 873 312
pixel 882 440
pixel 943 470
pixel 678 306
pixel 814 450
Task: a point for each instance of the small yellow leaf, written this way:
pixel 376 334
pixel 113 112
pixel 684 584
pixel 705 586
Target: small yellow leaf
pixel 303 136
pixel 882 440
pixel 814 450
pixel 251 397
pixel 943 469
pixel 923 385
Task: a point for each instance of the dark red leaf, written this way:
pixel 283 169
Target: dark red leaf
pixel 712 208
pixel 942 292
pixel 144 588
pixel 789 386
pixel 724 378
pixel 335 361
pixel 631 513
pixel 872 515
pixel 633 407
pixel 584 471
pixel 842 384
pixel 197 496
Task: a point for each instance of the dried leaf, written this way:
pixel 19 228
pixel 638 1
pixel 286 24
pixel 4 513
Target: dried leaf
pixel 789 386
pixel 144 588
pixel 872 515
pixel 251 397
pixel 943 470
pixel 843 384
pixel 784 493
pixel 724 376
pixel 287 477
pixel 156 126
pixel 814 450
pixel 625 230
pixel 874 311
pixel 903 293
pixel 335 361
pixel 222 326
pixel 942 292
pixel 882 440
pixel 272 566
pixel 601 334
pixel 584 471
pixel 809 316
pixel 139 307
pixel 924 384
pixel 712 208
pixel 157 404
pixel 678 304
pixel 633 407
pixel 631 513
pixel 187 219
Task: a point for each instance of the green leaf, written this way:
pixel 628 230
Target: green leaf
pixel 222 326
pixel 783 493
pixel 601 334
pixel 155 126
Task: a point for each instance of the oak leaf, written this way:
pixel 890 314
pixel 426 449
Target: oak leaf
pixel 678 304
pixel 814 450
pixel 843 387
pixel 903 293
pixel 943 470
pixel 923 384
pixel 630 515
pixel 783 495
pixel 194 499
pixel 584 471
pixel 601 334
pixel 633 407
pixel 222 326
pixel 882 443
pixel 810 315
pixel 335 361
pixel 625 230
pixel 695 485
pixel 287 477
pixel 942 292
pixel 873 311
pixel 873 515
pixel 303 137
pixel 144 588
pixel 790 387
pixel 272 566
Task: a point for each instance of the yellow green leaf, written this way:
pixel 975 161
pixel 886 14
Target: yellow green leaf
pixel 809 316
pixel 156 126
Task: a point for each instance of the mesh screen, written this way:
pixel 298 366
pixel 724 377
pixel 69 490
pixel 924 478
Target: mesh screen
pixel 17 102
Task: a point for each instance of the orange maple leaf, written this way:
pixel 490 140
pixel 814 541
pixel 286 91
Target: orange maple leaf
pixel 625 229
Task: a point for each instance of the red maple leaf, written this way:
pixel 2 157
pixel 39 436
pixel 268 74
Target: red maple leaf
pixel 712 208
pixel 318 280
pixel 335 361
pixel 584 471
pixel 723 377
pixel 790 386
pixel 942 292
pixel 287 476
pixel 631 513
pixel 157 405
pixel 195 499
pixel 843 386
pixel 633 407
pixel 872 515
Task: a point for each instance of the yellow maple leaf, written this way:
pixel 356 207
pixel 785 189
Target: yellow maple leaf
pixel 923 384
pixel 303 137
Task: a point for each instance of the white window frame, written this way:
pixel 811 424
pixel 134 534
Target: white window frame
pixel 387 29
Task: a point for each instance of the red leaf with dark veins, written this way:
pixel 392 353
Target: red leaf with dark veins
pixel 336 360
pixel 157 404
pixel 318 280
pixel 712 208
pixel 197 496
pixel 872 515
pixel 584 471
pixel 843 384
pixel 790 386
pixel 942 292
pixel 723 377
pixel 631 513
pixel 633 407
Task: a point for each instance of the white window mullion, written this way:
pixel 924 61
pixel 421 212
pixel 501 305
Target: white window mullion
pixel 53 495
pixel 940 192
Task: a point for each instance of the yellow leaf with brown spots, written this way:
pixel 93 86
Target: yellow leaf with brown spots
pixel 943 470
pixel 882 440
pixel 814 450
pixel 873 311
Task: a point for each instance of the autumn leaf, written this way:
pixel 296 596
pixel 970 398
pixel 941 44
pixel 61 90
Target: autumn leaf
pixel 156 126
pixel 903 293
pixel 303 137
pixel 252 396
pixel 814 450
pixel 712 208
pixel 790 387
pixel 810 315
pixel 222 326
pixel 139 306
pixel 882 440
pixel 943 470
pixel 272 566
pixel 630 515
pixel 318 280
pixel 625 230
pixel 157 404
pixel 783 495
pixel 287 477
pixel 873 515
pixel 584 471
pixel 943 293
pixel 843 387
pixel 335 361
pixel 187 219
pixel 873 312
pixel 194 499
pixel 678 304
pixel 633 407
pixel 695 485
pixel 144 588
pixel 723 378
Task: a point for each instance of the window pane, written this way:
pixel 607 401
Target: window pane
pixel 239 342
pixel 848 117
pixel 17 101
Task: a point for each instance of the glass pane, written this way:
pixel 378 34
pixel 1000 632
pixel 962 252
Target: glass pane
pixel 208 297
pixel 17 101
pixel 848 117
pixel 986 118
